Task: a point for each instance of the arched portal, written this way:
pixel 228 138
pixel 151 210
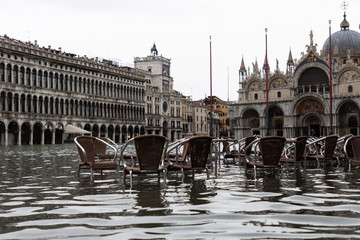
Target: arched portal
pixel 37 133
pixel 103 131
pixel 87 127
pixel 111 132
pixel 312 125
pixel 2 133
pixel 348 118
pixel 48 134
pixel 13 133
pixel 117 134
pixel 275 121
pixel 251 122
pixel 309 114
pixel 137 131
pixel 130 132
pixel 25 133
pixel 59 131
pixel 95 130
pixel 123 134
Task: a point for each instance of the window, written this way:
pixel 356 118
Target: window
pixel 279 94
pixel 255 96
pixel 350 89
pixel 2 72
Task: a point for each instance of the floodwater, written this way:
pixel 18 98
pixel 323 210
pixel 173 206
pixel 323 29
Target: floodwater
pixel 41 197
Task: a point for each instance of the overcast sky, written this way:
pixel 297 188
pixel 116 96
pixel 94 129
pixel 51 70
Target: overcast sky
pixel 124 29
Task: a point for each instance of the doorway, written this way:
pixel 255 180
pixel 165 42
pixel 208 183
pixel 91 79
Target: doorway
pixel 314 130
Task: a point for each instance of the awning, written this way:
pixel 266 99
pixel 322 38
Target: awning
pixel 74 129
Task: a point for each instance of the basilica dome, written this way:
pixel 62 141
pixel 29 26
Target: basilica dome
pixel 342 41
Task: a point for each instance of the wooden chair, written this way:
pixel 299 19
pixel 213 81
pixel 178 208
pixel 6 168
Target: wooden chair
pixel 339 153
pixel 150 153
pixel 352 151
pixel 325 149
pixel 268 154
pixel 92 151
pixel 180 153
pixel 295 153
pixel 199 151
pixel 247 141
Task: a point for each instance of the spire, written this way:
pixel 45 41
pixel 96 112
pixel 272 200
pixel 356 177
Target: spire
pixel 242 72
pixel 256 67
pixel 290 64
pixel 242 66
pixel 154 51
pixel 290 60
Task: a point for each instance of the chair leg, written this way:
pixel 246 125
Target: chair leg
pixel 131 180
pixel 118 171
pixel 207 172
pixel 182 175
pixel 92 174
pixel 78 173
pixel 165 174
pixel 254 171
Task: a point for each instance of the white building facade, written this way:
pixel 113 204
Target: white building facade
pixel 163 103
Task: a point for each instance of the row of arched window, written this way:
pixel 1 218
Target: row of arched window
pixel 50 80
pixel 69 107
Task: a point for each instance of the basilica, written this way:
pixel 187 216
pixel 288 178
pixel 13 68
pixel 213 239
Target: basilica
pixel 317 95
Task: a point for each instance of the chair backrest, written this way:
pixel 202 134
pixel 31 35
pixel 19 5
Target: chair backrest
pixel 225 147
pixel 355 143
pixel 150 150
pixel 199 148
pixel 271 149
pixel 300 147
pixel 100 147
pixel 185 151
pixel 330 145
pixel 248 140
pixel 87 143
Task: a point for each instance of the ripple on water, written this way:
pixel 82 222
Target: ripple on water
pixel 46 200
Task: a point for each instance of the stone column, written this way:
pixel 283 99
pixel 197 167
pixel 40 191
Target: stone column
pixel 6 136
pixel 42 136
pixel 31 136
pixel 19 137
pixel 53 137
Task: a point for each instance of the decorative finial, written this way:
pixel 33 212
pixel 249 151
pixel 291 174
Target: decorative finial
pixel 266 30
pixel 210 37
pixel 329 22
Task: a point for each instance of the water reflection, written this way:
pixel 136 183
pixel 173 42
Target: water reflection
pixel 41 197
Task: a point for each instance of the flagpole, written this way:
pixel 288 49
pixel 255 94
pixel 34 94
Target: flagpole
pixel 267 90
pixel 211 109
pixel 331 113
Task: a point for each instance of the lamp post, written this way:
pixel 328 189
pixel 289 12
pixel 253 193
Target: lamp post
pixel 211 117
pixel 330 82
pixel 267 90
